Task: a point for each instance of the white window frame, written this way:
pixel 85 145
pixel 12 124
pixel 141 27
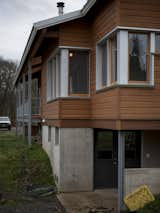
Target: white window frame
pixel 53 76
pixel 64 70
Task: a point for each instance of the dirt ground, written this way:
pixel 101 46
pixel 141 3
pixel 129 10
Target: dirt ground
pixel 45 205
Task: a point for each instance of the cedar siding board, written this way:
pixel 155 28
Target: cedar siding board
pixel 142 104
pixel 75 33
pixel 144 13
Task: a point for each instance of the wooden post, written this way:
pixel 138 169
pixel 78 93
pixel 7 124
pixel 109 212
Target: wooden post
pixel 17 99
pixel 121 167
pixel 29 103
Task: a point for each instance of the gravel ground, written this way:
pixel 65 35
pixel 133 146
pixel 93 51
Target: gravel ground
pixel 45 205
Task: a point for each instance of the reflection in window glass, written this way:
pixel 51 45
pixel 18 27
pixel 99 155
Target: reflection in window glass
pixel 132 149
pixel 78 72
pixel 49 134
pixel 104 64
pixel 113 51
pixel 138 56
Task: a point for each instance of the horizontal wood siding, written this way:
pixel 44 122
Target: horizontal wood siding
pixel 75 33
pixel 105 105
pixel 105 20
pixel 138 103
pixel 75 109
pixel 140 13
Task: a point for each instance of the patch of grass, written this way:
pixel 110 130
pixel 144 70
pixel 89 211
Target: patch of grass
pixel 153 207
pixel 21 166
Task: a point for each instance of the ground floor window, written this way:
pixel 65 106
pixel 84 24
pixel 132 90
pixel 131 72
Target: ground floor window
pixel 49 134
pixel 133 149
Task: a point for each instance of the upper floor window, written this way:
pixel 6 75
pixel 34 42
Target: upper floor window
pixel 113 58
pixel 158 43
pixel 78 72
pixel 138 57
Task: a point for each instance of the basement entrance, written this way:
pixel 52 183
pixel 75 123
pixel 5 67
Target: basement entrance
pixel 105 159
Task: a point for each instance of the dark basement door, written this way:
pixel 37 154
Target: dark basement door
pixel 105 159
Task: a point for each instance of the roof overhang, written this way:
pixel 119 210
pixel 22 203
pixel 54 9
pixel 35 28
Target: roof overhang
pixel 48 23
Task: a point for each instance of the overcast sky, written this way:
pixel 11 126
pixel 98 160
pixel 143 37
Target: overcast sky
pixel 17 17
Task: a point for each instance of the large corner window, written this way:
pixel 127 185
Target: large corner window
pixel 138 57
pixel 78 72
pixel 113 58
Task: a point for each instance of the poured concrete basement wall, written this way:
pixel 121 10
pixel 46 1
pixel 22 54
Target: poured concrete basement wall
pixel 76 164
pixel 71 157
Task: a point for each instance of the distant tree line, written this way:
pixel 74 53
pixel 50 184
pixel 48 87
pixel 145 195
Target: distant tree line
pixel 7 91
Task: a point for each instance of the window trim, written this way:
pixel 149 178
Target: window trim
pixel 89 74
pixel 110 39
pixel 148 55
pixel 53 57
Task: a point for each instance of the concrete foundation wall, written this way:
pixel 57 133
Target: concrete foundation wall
pixel 71 157
pixel 53 151
pixel 76 168
pixel 45 144
pixel 135 178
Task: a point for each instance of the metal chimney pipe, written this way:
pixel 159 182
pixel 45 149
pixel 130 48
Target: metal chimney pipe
pixel 60 6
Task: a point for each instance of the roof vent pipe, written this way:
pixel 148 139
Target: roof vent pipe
pixel 60 6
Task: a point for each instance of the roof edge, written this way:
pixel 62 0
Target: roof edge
pixel 48 23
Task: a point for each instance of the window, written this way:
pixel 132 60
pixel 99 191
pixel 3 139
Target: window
pixel 133 149
pixel 138 56
pixel 53 78
pixel 106 68
pixel 113 58
pixel 49 134
pixel 78 72
pixel 158 43
pixel 56 136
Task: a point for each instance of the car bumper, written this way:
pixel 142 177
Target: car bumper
pixel 5 126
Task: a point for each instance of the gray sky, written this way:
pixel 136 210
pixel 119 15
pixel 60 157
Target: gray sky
pixel 17 17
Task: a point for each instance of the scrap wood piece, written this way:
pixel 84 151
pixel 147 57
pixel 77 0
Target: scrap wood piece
pixel 139 198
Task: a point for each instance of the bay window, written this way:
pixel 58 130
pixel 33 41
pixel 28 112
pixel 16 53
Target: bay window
pixel 78 72
pixel 126 57
pixel 138 57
